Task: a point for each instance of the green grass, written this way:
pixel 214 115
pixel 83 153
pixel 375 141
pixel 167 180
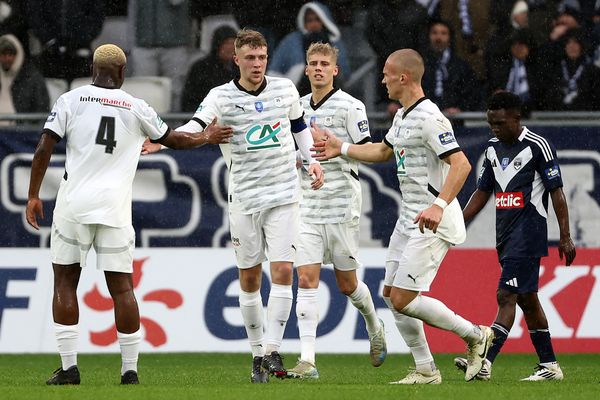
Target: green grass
pixel 226 376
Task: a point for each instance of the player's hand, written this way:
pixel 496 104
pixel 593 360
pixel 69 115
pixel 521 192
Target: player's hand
pixel 318 175
pixel 148 147
pixel 566 248
pixel 34 209
pixel 429 218
pixel 328 146
pixel 217 134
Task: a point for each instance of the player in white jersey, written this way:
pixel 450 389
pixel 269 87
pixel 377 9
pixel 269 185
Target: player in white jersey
pixel 104 128
pixel 431 170
pixel 329 217
pixel 264 190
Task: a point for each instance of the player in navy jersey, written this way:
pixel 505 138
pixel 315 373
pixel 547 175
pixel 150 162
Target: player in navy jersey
pixel 521 168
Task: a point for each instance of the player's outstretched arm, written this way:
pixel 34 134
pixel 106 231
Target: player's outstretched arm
pixel 39 165
pixel 212 134
pixel 478 200
pixel 330 146
pixel 566 246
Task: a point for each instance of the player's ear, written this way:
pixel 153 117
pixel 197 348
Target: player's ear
pixel 306 70
pixel 336 70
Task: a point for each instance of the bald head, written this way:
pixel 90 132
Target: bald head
pixel 409 62
pixel 109 55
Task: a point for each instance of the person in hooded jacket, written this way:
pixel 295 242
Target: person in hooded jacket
pixel 315 24
pixel 213 70
pixel 22 86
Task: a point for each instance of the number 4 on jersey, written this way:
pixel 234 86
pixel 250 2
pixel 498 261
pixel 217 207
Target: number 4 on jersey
pixel 106 134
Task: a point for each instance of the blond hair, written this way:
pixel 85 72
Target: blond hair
pixel 251 38
pixel 109 55
pixel 323 48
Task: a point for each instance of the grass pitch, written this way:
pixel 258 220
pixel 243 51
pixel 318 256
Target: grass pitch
pixel 226 376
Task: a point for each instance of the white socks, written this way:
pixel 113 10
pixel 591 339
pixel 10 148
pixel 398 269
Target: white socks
pixel 435 313
pixel 130 349
pixel 307 311
pixel 66 338
pixel 361 299
pixel 252 314
pixel 413 334
pixel 278 312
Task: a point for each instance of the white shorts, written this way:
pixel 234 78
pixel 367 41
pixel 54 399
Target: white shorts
pixel 413 261
pixel 335 244
pixel 269 234
pixel 70 243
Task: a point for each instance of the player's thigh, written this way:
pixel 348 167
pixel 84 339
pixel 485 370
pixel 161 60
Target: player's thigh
pixel 114 248
pixel 280 226
pixel 70 241
pixel 520 274
pixel 396 248
pixel 247 239
pixel 311 244
pixel 342 242
pixel 419 263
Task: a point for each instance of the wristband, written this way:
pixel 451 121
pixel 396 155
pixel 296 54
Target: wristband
pixel 344 149
pixel 440 202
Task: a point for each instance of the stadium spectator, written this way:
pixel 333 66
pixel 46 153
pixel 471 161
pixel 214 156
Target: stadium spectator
pixel 575 80
pixel 431 170
pixel 66 29
pixel 22 87
pixel 93 205
pixel 395 24
pixel 329 217
pixel 521 169
pixel 13 19
pixel 213 70
pixel 315 24
pixel 448 81
pixel 264 190
pixel 162 36
pixel 520 72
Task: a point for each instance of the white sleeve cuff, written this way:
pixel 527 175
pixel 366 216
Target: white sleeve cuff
pixel 192 126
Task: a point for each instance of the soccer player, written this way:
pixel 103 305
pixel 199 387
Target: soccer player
pixel 329 217
pixel 520 167
pixel 431 170
pixel 104 128
pixel 264 190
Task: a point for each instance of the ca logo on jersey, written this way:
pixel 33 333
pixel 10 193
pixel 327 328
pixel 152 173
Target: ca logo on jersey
pixel 400 158
pixel 261 137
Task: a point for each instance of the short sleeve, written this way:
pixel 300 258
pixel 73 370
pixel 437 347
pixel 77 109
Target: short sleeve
pixel 152 125
pixel 58 117
pixel 357 124
pixel 296 110
pixel 209 108
pixel 439 136
pixel 486 181
pixel 547 165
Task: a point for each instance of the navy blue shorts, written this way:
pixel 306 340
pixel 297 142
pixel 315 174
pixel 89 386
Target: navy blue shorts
pixel 520 275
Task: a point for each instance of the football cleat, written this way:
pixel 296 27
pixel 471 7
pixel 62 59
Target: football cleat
pixel 545 373
pixel 477 351
pixel 484 375
pixel 62 377
pixel 130 378
pixel 273 363
pixel 303 370
pixel 378 347
pixel 415 377
pixel 259 375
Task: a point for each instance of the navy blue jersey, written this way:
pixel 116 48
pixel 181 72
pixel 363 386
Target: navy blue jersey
pixel 521 175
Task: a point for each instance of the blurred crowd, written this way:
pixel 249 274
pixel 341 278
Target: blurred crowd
pixel 545 51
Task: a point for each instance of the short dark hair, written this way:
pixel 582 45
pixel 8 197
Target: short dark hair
pixel 504 100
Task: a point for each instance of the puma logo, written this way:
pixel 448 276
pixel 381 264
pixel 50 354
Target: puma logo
pixel 240 107
pixel 411 277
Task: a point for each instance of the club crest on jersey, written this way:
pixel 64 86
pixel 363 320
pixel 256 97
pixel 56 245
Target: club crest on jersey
pixel 400 158
pixel 505 162
pixel 446 138
pixel 363 126
pixel 259 106
pixel 313 120
pixel 518 163
pixel 552 172
pixel 261 137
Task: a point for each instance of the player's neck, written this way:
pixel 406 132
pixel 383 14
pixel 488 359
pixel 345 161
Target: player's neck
pixel 317 94
pixel 411 96
pixel 249 86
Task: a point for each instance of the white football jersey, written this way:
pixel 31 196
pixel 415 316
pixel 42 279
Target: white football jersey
pixel 261 154
pixel 340 198
pixel 104 131
pixel 420 137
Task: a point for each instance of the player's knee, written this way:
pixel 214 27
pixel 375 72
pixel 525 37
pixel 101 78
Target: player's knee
pixel 506 299
pixel 307 281
pixel 528 302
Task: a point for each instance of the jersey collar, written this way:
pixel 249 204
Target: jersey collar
pixel 409 109
pixel 323 100
pixel 256 92
pixel 523 133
